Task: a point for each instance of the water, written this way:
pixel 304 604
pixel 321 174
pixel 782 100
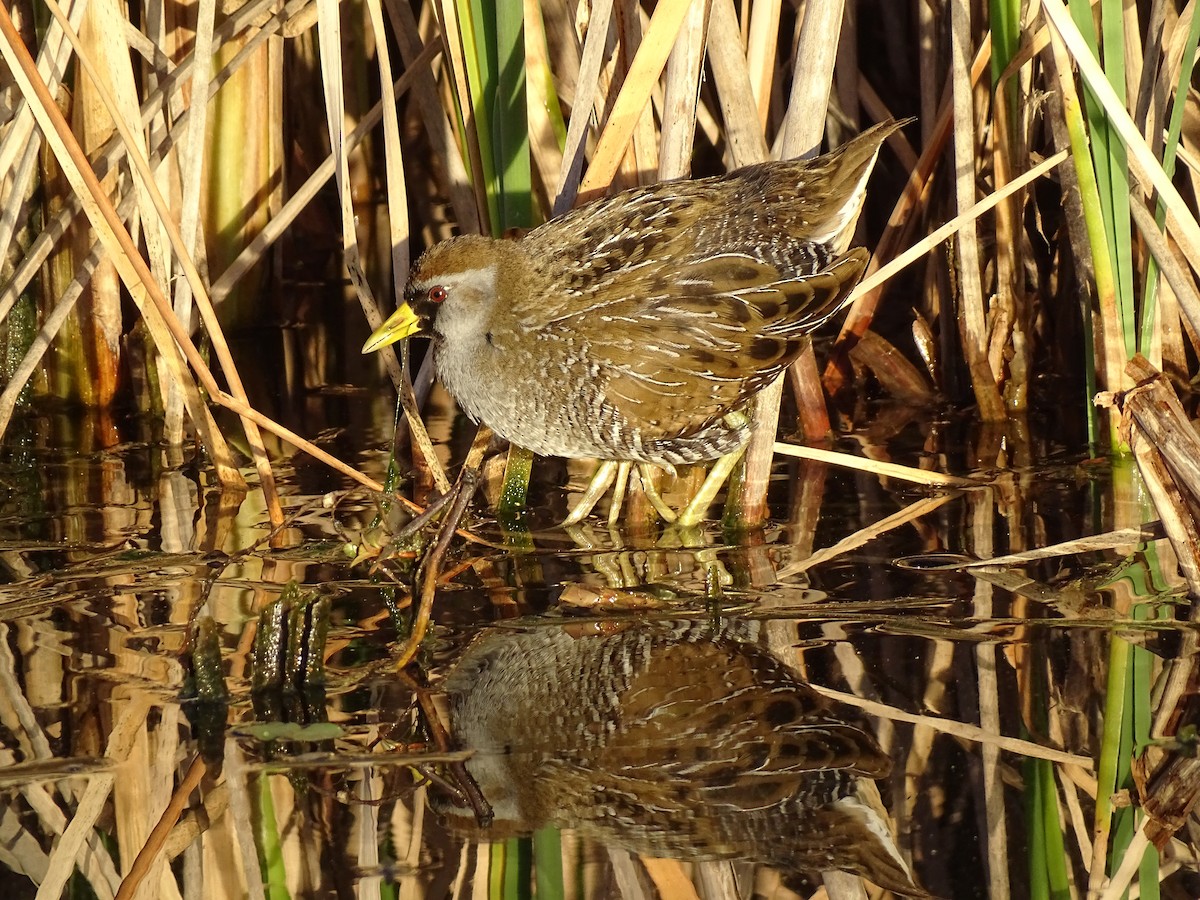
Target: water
pixel 719 714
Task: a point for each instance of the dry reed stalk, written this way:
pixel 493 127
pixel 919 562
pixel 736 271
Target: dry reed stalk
pixel 397 192
pixel 132 803
pixel 21 140
pixel 682 93
pixel 86 366
pixel 163 218
pixel 869 288
pixel 134 271
pixel 940 668
pixel 639 163
pixel 744 134
pixel 808 493
pixel 1181 222
pixel 1118 885
pixel 669 878
pixel 190 157
pixel 130 717
pixel 760 57
pixel 1183 286
pixel 886 469
pixel 303 195
pixel 929 75
pixel 398 237
pixel 627 874
pixel 330 45
pixel 544 151
pixel 437 124
pixel 163 323
pixel 244 159
pixel 981 517
pixel 454 52
pixel 1011 318
pixel 973 321
pixel 647 65
pixel 368 794
pixel 590 64
pixel 801 130
pixel 151 850
pixel 113 151
pixel 861 312
pixel 962 730
pixel 27 369
pixel 94 863
pixel 238 862
pixel 910 513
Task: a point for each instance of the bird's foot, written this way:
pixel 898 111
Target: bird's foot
pixel 609 471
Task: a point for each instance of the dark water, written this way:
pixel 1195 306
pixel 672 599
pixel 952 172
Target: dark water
pixel 608 712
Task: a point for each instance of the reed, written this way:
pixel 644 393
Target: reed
pixel 501 93
pixel 1037 219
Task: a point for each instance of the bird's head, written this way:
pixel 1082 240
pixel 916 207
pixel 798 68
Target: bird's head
pixel 452 291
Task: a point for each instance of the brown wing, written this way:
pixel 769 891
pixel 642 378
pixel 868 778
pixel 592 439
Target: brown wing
pixel 702 346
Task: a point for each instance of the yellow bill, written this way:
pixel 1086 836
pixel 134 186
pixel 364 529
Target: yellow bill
pixel 402 323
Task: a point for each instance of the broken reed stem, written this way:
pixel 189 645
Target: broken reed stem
pixel 1168 454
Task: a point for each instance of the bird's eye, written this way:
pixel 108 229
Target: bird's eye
pixel 437 293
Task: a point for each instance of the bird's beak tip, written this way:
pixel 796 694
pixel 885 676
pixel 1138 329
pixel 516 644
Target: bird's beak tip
pixel 401 324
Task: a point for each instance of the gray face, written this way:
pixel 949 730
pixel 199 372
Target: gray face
pixel 457 305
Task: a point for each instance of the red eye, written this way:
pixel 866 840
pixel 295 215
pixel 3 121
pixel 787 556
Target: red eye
pixel 437 293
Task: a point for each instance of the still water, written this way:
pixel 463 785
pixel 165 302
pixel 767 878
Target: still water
pixel 605 712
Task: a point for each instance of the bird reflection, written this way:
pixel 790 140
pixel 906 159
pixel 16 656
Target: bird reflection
pixel 675 739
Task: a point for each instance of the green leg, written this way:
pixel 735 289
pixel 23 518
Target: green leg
pixel 618 499
pixel 605 473
pixel 693 513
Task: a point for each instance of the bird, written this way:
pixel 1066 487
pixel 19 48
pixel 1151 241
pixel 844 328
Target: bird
pixel 637 328
pixel 671 738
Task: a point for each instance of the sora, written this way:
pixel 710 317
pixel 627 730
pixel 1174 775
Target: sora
pixel 681 739
pixel 636 328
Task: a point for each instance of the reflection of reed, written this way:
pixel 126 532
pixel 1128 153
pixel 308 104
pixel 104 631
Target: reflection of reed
pixel 670 739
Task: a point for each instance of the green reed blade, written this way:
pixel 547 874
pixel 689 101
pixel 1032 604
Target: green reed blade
pixel 1178 105
pixel 1111 169
pixel 270 849
pixel 1121 236
pixel 478 57
pixel 548 863
pixel 510 120
pixel 1005 25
